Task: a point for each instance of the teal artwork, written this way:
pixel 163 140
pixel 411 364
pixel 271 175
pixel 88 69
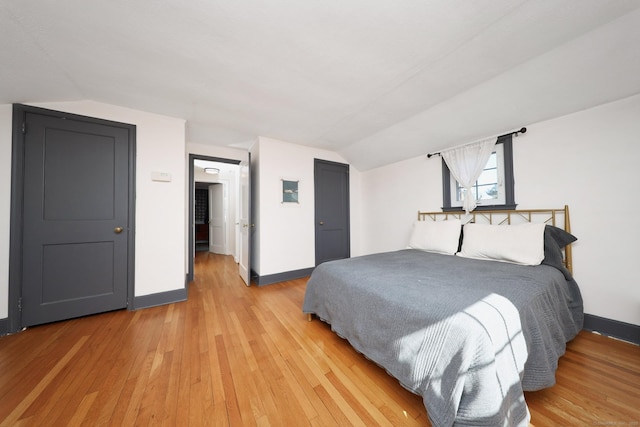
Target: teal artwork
pixel 289 191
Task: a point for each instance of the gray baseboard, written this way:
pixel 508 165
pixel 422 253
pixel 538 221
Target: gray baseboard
pixel 612 328
pixel 161 298
pixel 281 277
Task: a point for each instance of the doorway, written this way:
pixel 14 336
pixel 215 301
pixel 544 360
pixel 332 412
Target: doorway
pixel 201 216
pixel 214 207
pixel 213 219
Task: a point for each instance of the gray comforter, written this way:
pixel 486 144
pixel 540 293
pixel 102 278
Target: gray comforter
pixel 467 335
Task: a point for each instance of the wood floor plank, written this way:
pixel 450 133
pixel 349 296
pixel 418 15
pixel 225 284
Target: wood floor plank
pixel 81 411
pixel 31 397
pixel 233 355
pixel 340 418
pixel 233 411
pixel 320 413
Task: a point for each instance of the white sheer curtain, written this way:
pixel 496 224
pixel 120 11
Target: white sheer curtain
pixel 466 164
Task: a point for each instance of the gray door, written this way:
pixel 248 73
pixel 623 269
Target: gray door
pixel 75 217
pixel 331 211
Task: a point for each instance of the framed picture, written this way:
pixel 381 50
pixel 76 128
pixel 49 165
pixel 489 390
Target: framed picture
pixel 290 191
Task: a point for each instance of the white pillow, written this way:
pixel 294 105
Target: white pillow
pixel 436 236
pixel 518 244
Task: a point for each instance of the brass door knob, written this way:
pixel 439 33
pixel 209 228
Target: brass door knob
pixel 118 230
pixel 321 222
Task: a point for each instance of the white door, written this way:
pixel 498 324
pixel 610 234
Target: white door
pixel 217 226
pixel 245 226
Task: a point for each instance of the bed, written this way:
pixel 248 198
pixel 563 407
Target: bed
pixel 461 323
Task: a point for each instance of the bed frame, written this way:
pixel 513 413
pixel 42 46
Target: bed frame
pixel 555 217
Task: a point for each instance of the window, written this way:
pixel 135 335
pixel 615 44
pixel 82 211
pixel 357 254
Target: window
pixel 489 188
pixel 494 187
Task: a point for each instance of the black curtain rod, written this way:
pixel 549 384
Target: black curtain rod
pixel 514 133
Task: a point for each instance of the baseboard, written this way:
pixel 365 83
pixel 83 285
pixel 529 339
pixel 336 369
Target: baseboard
pixel 161 298
pixel 612 328
pixel 281 277
pixel 4 326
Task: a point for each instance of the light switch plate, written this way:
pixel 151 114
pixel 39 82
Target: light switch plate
pixel 161 176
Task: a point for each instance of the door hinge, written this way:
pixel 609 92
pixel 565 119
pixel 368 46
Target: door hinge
pixel 20 304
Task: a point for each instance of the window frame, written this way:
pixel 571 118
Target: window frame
pixel 507 146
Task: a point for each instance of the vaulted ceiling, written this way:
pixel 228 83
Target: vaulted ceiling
pixel 377 81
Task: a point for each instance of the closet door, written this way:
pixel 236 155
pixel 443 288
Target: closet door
pixel 76 226
pixel 331 182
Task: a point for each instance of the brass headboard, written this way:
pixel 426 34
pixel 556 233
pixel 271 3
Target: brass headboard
pixel 556 217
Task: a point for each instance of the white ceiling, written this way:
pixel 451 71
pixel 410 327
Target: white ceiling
pixel 223 168
pixel 377 81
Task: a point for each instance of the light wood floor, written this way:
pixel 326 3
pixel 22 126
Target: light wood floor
pixel 235 356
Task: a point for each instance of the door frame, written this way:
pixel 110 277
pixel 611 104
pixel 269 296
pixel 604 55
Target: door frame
pixel 192 186
pixel 16 210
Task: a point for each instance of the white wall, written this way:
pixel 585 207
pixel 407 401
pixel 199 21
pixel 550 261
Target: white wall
pixel 160 216
pixel 589 160
pixel 586 160
pixel 391 198
pixel 286 231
